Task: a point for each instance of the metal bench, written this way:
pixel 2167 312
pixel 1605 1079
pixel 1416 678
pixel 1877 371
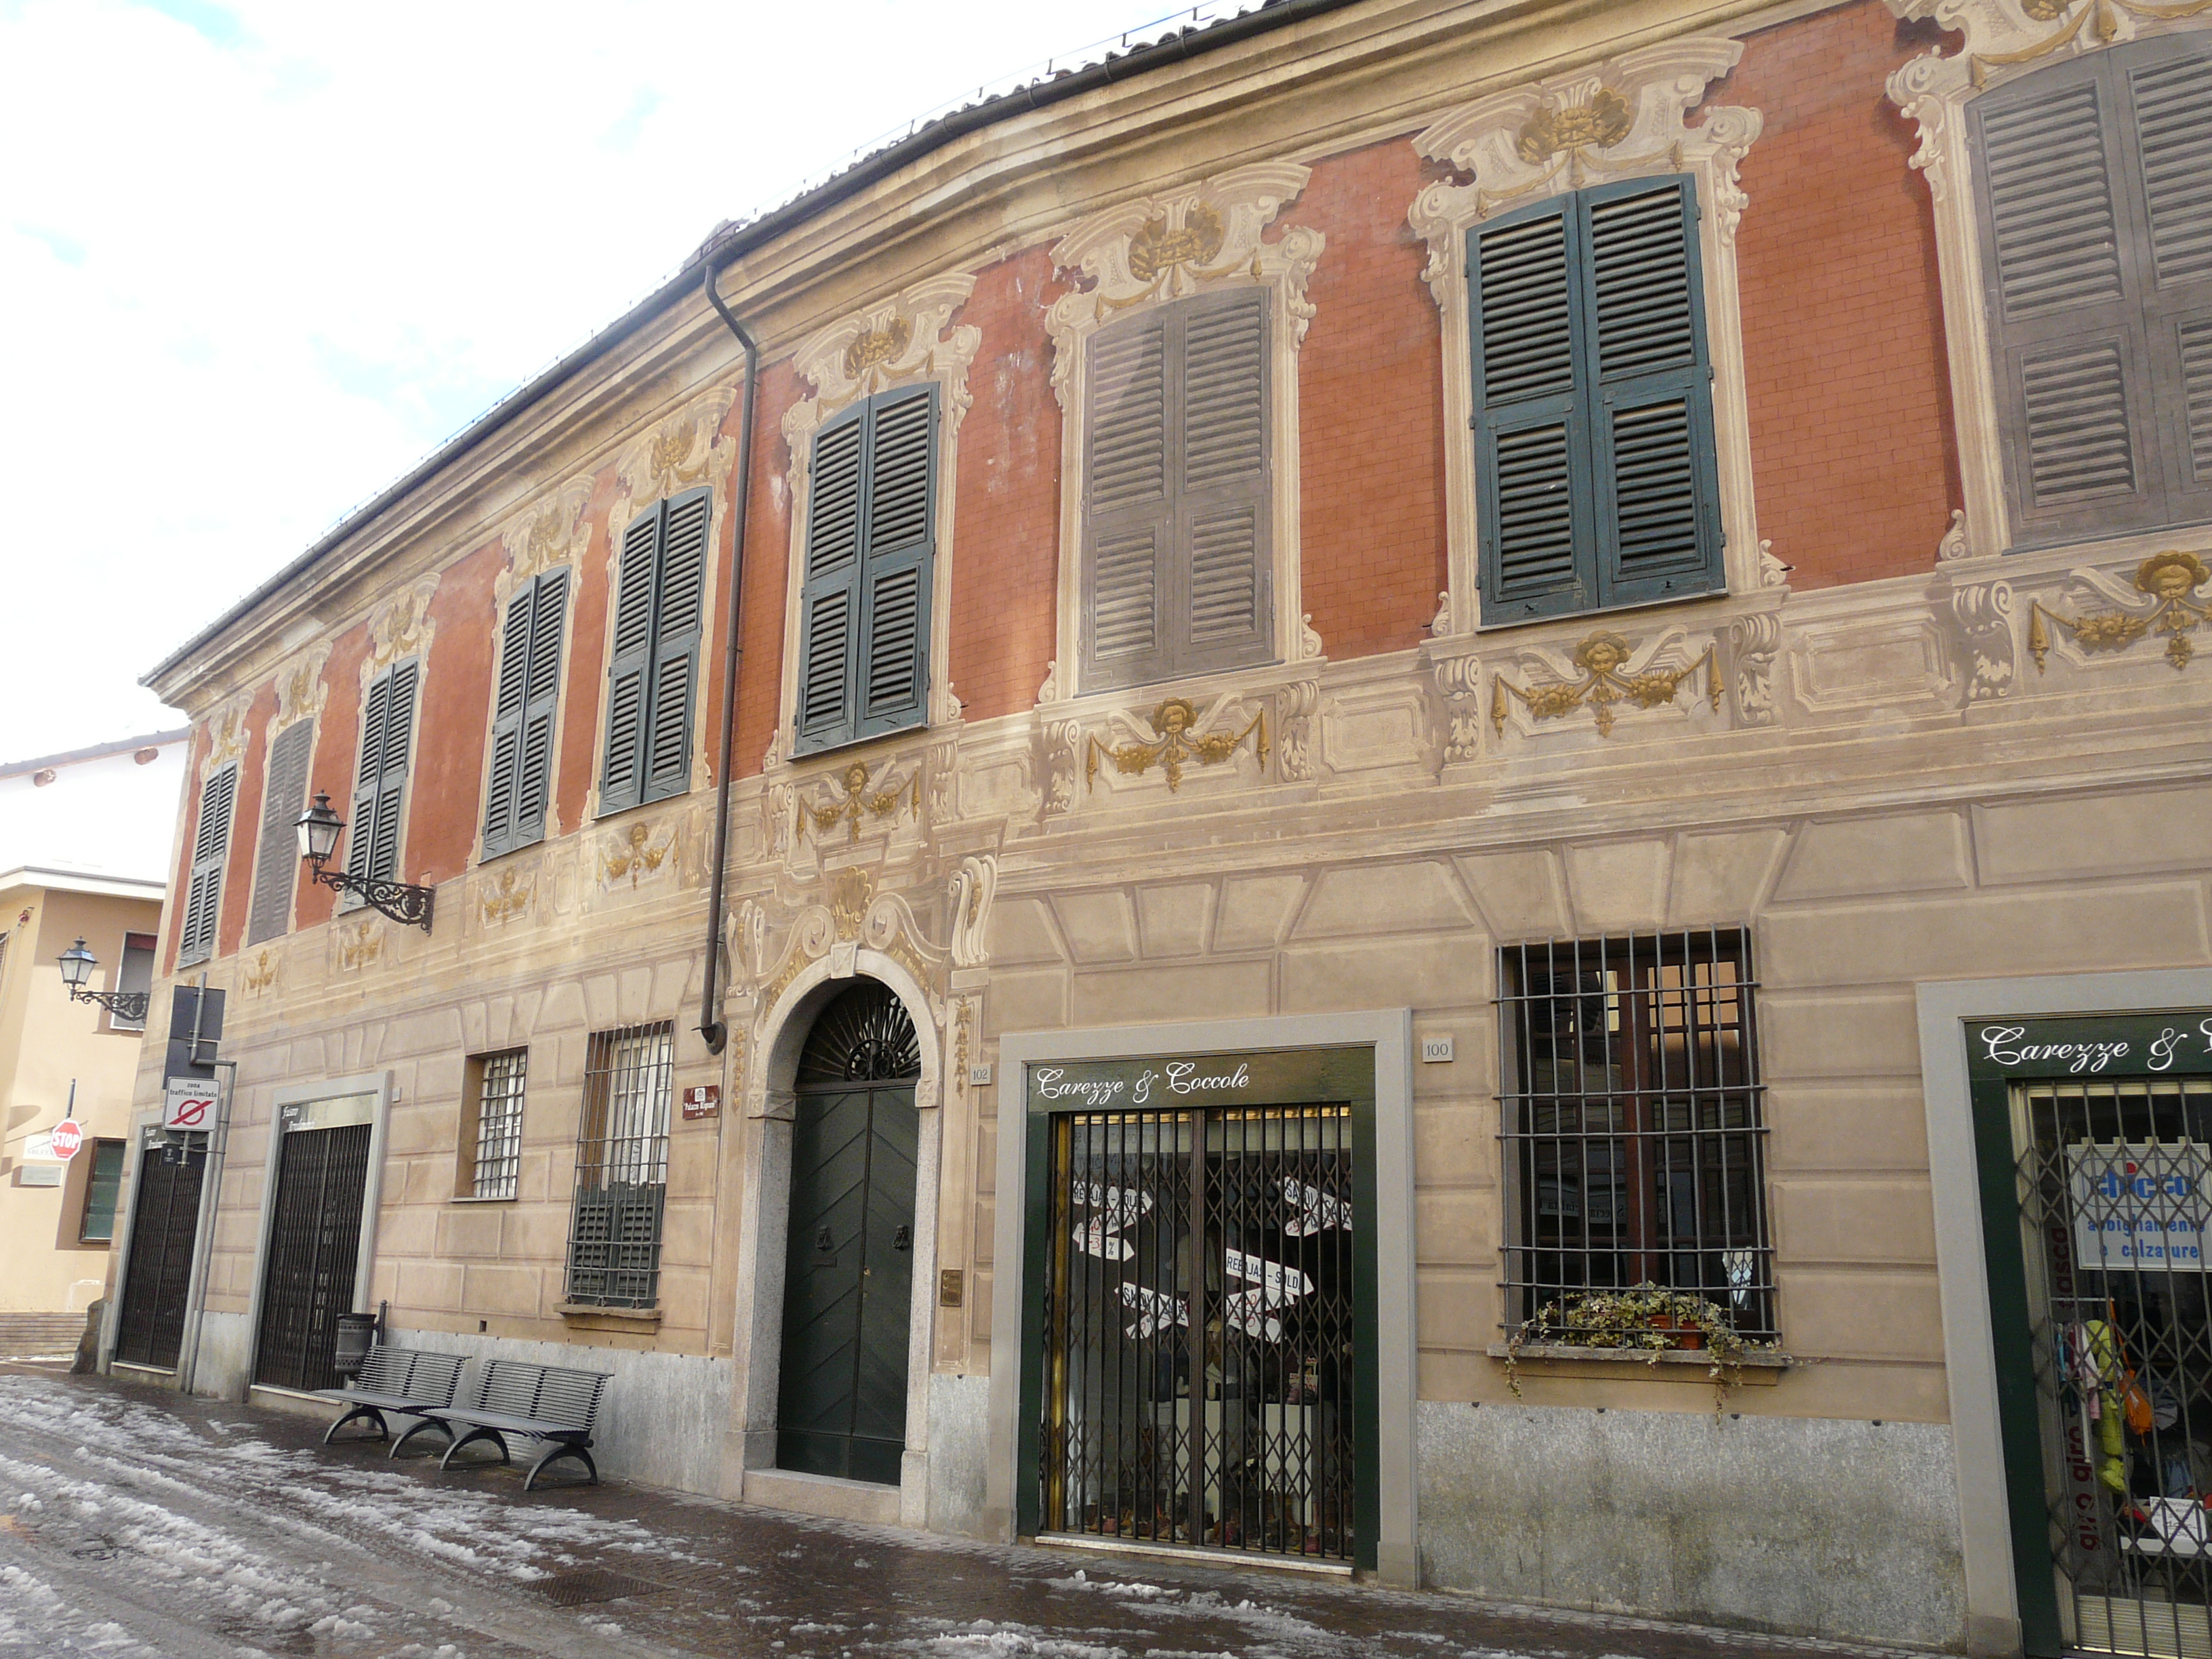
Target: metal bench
pixel 412 1381
pixel 538 1402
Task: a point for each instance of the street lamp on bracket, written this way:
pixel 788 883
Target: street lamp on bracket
pixel 77 963
pixel 319 827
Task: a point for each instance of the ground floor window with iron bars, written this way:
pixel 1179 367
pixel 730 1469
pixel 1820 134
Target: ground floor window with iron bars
pixel 621 1167
pixel 1632 1129
pixel 1199 1366
pixel 497 1160
pixel 2111 1179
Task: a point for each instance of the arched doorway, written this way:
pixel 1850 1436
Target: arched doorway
pixel 848 1265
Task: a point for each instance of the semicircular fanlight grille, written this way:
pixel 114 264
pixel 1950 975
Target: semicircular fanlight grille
pixel 865 1036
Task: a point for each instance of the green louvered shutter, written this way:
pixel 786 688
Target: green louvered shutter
pixel 622 772
pixel 871 544
pixel 516 787
pixel 196 939
pixel 830 603
pixel 514 695
pixel 276 861
pixel 380 795
pixel 2169 95
pixel 679 599
pixel 1651 405
pixel 898 515
pixel 1538 533
pixel 1128 505
pixel 548 616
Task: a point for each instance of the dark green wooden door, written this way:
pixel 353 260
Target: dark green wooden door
pixel 849 1270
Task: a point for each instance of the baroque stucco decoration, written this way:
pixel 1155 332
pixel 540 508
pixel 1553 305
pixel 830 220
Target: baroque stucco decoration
pixel 226 730
pixel 2004 40
pixel 680 451
pixel 399 628
pixel 1622 118
pixel 551 530
pixel 904 341
pixel 1161 249
pixel 1607 673
pixel 301 692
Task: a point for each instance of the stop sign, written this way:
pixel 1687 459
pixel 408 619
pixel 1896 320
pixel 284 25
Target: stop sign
pixel 67 1137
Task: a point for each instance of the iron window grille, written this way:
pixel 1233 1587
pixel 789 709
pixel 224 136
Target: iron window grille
pixel 499 1123
pixel 1632 1128
pixel 621 1167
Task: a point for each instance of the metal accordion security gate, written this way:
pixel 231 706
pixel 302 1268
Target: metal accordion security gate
pixel 314 1247
pixel 157 1273
pixel 1201 1372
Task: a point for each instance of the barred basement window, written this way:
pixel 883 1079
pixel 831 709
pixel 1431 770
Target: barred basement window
pixel 621 1167
pixel 1632 1130
pixel 495 1083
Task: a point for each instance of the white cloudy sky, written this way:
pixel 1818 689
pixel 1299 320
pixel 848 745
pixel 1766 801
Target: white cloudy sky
pixel 258 256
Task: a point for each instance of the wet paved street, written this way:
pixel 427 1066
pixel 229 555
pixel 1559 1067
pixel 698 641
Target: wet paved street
pixel 135 1523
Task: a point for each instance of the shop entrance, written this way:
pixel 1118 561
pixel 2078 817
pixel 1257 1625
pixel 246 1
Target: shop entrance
pixel 165 1217
pixel 2111 1340
pixel 315 1247
pixel 849 1265
pixel 1200 1358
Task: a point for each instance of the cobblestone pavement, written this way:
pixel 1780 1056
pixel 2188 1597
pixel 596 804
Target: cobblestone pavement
pixel 134 1522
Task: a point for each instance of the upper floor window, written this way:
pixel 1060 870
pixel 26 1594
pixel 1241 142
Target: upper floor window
pixel 652 683
pixel 277 861
pixel 1592 409
pixel 380 790
pixel 1176 567
pixel 2096 211
pixel 521 781
pixel 134 977
pixel 871 545
pixel 210 849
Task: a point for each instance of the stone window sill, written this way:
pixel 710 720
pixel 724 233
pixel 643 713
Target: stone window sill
pixel 1659 1364
pixel 589 1315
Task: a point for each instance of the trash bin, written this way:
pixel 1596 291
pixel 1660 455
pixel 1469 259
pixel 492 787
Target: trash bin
pixel 356 1331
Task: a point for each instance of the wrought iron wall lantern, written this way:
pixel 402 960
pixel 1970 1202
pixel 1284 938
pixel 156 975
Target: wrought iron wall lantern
pixel 77 963
pixel 320 828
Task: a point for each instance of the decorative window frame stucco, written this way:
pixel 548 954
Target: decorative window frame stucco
pixel 1619 119
pixel 2005 41
pixel 904 341
pixel 1138 255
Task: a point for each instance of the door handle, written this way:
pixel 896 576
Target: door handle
pixel 824 1243
pixel 903 1238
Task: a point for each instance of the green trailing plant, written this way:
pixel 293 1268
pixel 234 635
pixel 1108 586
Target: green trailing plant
pixel 1642 1323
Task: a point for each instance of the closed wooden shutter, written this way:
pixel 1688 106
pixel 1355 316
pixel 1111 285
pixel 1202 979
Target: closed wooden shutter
pixel 196 939
pixel 870 549
pixel 380 792
pixel 276 861
pixel 516 787
pixel 653 682
pixel 2096 209
pixel 1177 575
pixel 1594 462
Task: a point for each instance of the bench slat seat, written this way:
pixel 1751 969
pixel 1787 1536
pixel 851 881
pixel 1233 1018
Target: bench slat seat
pixel 537 1402
pixel 412 1382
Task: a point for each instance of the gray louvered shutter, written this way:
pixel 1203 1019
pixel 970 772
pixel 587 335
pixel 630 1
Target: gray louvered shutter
pixel 1537 519
pixel 1222 612
pixel 276 861
pixel 391 785
pixel 513 695
pixel 829 603
pixel 1128 504
pixel 2169 95
pixel 622 770
pixel 549 615
pixel 360 823
pixel 1649 393
pixel 196 940
pixel 898 525
pixel 2065 306
pixel 679 604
